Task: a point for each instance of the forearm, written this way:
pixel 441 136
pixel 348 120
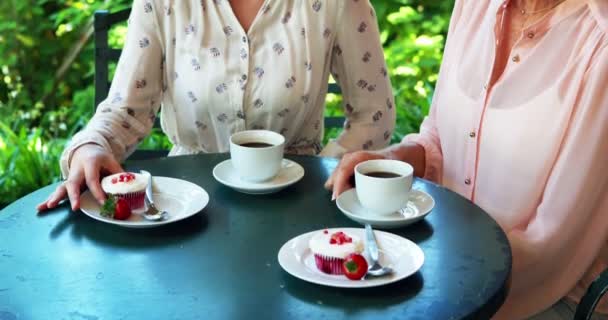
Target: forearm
pixel 409 152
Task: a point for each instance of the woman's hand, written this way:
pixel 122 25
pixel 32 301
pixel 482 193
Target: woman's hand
pixel 340 179
pixel 86 166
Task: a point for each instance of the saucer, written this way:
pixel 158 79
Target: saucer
pixel 290 173
pixel 420 204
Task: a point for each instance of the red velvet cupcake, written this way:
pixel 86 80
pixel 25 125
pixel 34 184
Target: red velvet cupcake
pixel 330 249
pixel 128 186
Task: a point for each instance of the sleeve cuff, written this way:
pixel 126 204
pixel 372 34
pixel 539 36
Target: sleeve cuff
pixel 433 170
pixel 68 152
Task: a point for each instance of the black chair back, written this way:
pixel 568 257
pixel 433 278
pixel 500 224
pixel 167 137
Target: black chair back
pixel 595 292
pixel 103 53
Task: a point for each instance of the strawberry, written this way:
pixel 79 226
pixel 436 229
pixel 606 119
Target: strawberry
pixel 118 209
pixel 122 210
pixel 354 266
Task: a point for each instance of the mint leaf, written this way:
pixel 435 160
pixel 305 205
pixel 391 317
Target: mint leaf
pixel 351 266
pixel 109 207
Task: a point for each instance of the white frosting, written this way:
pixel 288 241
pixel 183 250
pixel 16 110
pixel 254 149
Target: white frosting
pixel 136 185
pixel 319 244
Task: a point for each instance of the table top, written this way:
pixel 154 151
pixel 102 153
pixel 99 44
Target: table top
pixel 222 262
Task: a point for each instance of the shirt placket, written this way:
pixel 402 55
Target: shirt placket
pixel 244 79
pixel 474 133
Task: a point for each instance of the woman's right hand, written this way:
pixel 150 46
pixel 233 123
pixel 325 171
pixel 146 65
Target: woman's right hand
pixel 88 162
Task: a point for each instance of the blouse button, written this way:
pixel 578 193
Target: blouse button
pixel 244 77
pixel 472 134
pixel 515 58
pixel 530 34
pixel 485 86
pixel 467 181
pixel 244 39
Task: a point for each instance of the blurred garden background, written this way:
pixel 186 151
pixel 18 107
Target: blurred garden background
pixel 47 69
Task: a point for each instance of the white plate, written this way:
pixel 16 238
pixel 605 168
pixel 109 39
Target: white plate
pixel 180 198
pixel 290 173
pixel 404 256
pixel 420 204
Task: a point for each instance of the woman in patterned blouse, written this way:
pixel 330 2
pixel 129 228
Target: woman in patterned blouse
pixel 220 66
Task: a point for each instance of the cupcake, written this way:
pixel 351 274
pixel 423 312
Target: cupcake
pixel 128 186
pixel 330 249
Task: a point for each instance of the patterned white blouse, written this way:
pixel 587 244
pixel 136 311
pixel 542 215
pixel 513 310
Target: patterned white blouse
pixel 213 79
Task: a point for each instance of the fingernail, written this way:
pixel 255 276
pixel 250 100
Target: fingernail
pixel 333 196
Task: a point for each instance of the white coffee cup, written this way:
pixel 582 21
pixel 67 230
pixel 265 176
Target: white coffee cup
pixel 381 195
pixel 256 164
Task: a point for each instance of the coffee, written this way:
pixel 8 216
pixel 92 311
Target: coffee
pixel 256 155
pixel 256 145
pixel 383 186
pixel 382 174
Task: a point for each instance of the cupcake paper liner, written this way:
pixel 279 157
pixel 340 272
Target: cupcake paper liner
pixel 329 265
pixel 134 199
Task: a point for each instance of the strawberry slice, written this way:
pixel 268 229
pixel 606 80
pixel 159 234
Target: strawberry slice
pixel 354 266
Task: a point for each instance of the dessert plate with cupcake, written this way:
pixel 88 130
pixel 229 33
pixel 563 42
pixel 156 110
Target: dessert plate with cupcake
pixel 127 203
pixel 332 257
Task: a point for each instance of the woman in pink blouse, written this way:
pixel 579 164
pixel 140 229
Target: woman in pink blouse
pixel 519 125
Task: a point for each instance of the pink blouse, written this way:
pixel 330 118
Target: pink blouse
pixel 532 147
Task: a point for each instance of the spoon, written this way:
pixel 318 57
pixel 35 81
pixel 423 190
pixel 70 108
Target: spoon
pixel 152 213
pixel 375 269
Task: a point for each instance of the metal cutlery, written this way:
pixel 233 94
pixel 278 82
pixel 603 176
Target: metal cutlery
pixel 375 268
pixel 152 213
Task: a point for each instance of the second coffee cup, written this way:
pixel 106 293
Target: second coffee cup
pixel 257 154
pixel 383 186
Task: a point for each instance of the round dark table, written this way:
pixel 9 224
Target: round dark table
pixel 222 262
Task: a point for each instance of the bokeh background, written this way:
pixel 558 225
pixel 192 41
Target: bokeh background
pixel 47 69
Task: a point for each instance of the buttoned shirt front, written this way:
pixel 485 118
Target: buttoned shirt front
pixel 213 79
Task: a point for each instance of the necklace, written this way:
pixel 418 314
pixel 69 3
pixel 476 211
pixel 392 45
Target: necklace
pixel 526 13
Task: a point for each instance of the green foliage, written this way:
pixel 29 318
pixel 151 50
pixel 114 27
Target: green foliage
pixel 27 162
pixel 37 40
pixel 413 36
pixel 47 68
pixel 39 105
